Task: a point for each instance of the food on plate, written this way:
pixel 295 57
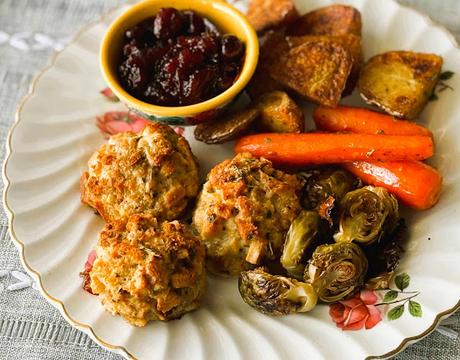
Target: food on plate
pixel 414 183
pixel 336 270
pixel 364 121
pixel 329 20
pixel 261 83
pixel 269 14
pixel 153 171
pixel 316 71
pixel 279 113
pixel 384 257
pixel 244 212
pixel 300 242
pixel 178 58
pixel 321 184
pixel 274 46
pixel 227 128
pixel 351 42
pixel 275 294
pixel 148 270
pixel 321 148
pixel 366 215
pixel 400 82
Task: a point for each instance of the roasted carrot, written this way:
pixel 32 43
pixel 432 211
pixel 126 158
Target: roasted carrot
pixel 364 121
pixel 321 148
pixel 414 183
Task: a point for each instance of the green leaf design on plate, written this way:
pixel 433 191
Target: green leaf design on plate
pixel 415 309
pixel 396 312
pixel 390 295
pixel 433 97
pixel 446 75
pixel 402 281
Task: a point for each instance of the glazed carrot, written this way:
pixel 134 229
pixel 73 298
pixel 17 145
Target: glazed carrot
pixel 414 183
pixel 322 148
pixel 364 121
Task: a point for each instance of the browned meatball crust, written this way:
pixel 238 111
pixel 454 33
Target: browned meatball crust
pixel 148 270
pixel 152 171
pixel 244 212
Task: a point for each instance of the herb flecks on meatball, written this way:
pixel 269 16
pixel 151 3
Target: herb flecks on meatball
pixel 148 270
pixel 244 212
pixel 153 171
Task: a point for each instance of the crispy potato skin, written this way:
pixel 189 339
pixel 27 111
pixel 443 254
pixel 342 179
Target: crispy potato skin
pixel 350 41
pixel 279 113
pixel 228 128
pixel 245 202
pixel 147 270
pixel 151 171
pixel 330 20
pixel 400 82
pixel 315 71
pixel 270 14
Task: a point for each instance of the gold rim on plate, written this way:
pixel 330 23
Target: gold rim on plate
pixel 60 305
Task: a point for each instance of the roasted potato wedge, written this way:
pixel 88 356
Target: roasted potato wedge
pixel 279 113
pixel 270 14
pixel 400 82
pixel 315 71
pixel 350 41
pixel 228 128
pixel 330 20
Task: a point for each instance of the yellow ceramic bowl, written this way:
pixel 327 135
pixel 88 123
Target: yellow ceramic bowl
pixel 224 16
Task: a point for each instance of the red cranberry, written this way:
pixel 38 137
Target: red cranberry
pixel 168 23
pixel 196 24
pixel 232 47
pixel 134 71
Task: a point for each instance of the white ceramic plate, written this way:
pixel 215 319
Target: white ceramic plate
pixel 55 134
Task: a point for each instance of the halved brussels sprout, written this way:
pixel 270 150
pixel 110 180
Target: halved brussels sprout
pixel 300 237
pixel 366 215
pixel 322 183
pixel 384 258
pixel 336 270
pixel 274 294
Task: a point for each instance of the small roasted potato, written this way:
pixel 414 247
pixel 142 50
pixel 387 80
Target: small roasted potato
pixel 226 129
pixel 330 20
pixel 279 113
pixel 316 71
pixel 350 41
pixel 270 14
pixel 400 82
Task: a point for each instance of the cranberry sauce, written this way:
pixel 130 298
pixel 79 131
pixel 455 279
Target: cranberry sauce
pixel 178 58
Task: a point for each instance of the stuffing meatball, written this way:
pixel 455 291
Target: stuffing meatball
pixel 244 212
pixel 153 171
pixel 148 270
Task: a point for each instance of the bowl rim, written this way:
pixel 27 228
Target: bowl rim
pixel 249 66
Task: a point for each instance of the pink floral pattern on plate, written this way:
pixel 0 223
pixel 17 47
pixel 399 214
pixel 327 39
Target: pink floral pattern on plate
pixel 356 313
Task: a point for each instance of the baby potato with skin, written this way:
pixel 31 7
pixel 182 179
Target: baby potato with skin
pixel 148 270
pixel 151 171
pixel 244 212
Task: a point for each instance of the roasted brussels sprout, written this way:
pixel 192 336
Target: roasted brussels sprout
pixel 275 294
pixel 299 239
pixel 384 257
pixel 336 270
pixel 366 215
pixel 325 187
